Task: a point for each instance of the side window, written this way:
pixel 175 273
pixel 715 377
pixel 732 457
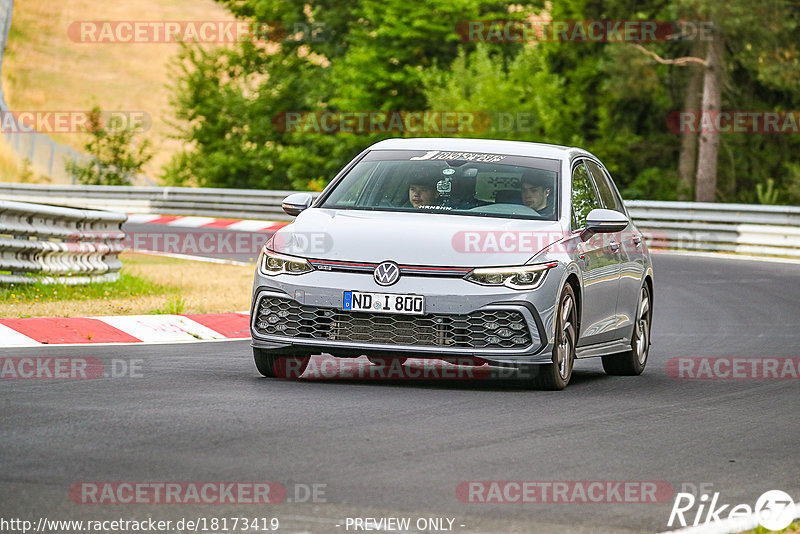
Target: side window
pixel 607 192
pixel 584 198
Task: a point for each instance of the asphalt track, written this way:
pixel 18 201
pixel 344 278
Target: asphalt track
pixel 201 412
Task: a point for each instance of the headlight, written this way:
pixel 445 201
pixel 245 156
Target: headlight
pixel 522 277
pixel 272 263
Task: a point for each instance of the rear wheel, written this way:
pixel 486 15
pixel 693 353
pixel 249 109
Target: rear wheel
pixel 556 375
pixel 275 365
pixel 632 362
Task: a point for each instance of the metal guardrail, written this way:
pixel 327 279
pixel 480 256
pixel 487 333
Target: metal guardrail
pixel 211 202
pixel 709 226
pixel 49 244
pixel 746 228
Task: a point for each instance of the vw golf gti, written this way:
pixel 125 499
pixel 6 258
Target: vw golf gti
pixel 495 252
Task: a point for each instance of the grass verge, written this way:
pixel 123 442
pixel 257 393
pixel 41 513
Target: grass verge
pixel 14 169
pixel 148 284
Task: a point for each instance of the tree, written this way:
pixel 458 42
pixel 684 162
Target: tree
pixel 395 55
pixel 747 27
pixel 370 56
pixel 706 183
pixel 115 158
pixel 687 159
pixel 599 96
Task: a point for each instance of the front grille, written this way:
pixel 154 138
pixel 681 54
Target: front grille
pixel 486 329
pixel 405 270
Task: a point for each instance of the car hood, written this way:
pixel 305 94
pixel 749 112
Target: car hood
pixel 414 238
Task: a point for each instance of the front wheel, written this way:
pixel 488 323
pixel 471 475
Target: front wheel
pixel 632 362
pixel 276 365
pixel 556 375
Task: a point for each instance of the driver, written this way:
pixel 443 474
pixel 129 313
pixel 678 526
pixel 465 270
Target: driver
pixel 536 188
pixel 422 191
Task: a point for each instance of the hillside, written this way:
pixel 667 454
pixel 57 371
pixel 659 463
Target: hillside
pixel 44 69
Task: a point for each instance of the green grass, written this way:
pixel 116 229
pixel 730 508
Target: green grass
pixel 174 306
pixel 129 287
pixel 149 284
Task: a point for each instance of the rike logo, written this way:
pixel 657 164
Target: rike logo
pixel 774 510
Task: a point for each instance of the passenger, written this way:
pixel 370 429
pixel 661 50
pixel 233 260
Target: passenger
pixel 536 190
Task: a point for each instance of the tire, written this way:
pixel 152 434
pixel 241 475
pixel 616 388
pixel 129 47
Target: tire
pixel 276 365
pixel 633 362
pixel 556 375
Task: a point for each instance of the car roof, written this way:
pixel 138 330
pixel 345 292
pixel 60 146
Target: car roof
pixel 491 146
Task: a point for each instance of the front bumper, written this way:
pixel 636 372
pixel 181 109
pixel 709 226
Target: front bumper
pixel 317 297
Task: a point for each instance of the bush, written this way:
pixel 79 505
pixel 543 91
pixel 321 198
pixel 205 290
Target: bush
pixel 115 158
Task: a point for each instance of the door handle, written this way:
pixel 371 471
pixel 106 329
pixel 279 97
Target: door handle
pixel 637 240
pixel 614 245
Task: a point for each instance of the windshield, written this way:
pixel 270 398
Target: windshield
pixel 452 183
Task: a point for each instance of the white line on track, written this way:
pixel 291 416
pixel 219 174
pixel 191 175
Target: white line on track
pixel 192 222
pixel 12 338
pixel 141 218
pixel 154 328
pixel 250 226
pixel 129 343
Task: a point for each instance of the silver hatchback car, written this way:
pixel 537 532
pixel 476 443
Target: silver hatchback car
pixel 501 252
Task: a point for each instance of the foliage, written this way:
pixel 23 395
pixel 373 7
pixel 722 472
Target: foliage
pixel 767 193
pixel 115 158
pixel 173 306
pixel 371 56
pixel 607 97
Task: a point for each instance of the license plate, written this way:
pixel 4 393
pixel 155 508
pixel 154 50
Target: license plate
pixel 383 303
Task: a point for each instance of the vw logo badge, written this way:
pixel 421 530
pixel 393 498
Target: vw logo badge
pixel 387 273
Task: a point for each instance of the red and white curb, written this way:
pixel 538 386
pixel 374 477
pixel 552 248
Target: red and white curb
pixel 39 331
pixel 237 225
